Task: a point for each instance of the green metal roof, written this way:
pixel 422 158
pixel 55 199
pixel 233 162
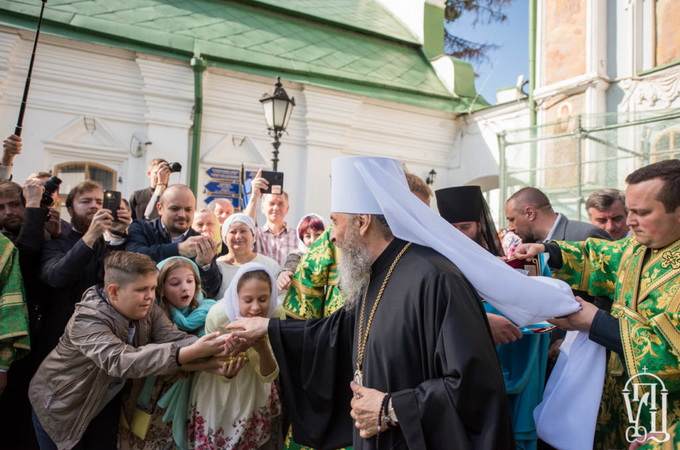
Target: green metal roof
pixel 350 45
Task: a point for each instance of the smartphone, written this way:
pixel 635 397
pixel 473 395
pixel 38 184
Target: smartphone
pixel 275 180
pixel 112 201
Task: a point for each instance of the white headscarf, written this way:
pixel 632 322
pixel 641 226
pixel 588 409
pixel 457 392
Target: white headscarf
pixel 230 299
pixel 373 185
pixel 301 244
pixel 238 217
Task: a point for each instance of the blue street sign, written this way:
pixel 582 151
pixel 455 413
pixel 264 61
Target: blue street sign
pixel 233 200
pixel 223 187
pixel 223 174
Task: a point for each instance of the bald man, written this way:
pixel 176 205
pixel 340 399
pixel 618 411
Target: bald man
pixel 171 235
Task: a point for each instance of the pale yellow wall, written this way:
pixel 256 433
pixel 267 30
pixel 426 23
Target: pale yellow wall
pixel 667 31
pixel 565 39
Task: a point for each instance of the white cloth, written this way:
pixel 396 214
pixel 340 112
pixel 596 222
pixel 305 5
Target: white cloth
pixel 230 300
pixel 567 416
pixel 373 185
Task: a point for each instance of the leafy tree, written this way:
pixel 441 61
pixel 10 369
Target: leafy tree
pixel 486 11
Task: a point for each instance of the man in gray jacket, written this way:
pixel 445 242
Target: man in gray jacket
pixel 75 393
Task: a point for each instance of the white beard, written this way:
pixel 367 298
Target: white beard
pixel 354 268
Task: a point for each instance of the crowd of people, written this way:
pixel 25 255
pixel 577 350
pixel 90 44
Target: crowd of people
pixel 158 324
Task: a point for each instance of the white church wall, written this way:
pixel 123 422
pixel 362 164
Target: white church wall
pixel 87 102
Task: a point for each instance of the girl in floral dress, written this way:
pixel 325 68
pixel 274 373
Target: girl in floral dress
pixel 240 410
pixel 166 398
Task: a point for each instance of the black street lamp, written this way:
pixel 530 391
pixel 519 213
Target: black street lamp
pixel 278 108
pixel 431 177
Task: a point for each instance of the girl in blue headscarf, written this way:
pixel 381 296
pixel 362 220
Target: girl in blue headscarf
pixel 159 420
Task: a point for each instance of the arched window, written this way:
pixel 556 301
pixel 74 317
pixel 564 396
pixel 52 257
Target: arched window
pixel 72 173
pixel 666 146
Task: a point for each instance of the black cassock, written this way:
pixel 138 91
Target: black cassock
pixel 429 346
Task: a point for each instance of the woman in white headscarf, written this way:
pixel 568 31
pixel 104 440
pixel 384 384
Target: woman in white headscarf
pixel 238 234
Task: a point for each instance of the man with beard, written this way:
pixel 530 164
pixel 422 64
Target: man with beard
pixel 412 335
pixel 171 235
pixel 75 261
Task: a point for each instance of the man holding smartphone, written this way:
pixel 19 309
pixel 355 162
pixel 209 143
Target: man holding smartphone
pixel 275 239
pixel 75 261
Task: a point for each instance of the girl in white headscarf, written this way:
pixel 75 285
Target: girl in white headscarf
pixel 239 410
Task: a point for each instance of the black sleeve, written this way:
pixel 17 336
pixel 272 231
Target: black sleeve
pixel 62 266
pixel 211 280
pixel 315 357
pixel 32 235
pixel 605 331
pixel 555 260
pixel 138 242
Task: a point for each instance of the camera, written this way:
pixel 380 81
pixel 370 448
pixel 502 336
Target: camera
pixel 51 186
pixel 175 167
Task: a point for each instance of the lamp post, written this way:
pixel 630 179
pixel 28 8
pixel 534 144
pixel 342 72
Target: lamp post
pixel 278 108
pixel 431 177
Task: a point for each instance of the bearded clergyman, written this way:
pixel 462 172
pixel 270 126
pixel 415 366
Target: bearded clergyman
pixel 409 361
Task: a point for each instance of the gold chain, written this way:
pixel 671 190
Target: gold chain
pixel 363 338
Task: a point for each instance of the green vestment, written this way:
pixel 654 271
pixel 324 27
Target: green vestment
pixel 14 341
pixel 645 286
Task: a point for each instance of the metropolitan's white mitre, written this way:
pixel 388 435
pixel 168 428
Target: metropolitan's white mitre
pixel 350 192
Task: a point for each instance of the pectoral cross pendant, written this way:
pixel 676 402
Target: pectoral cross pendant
pixel 358 377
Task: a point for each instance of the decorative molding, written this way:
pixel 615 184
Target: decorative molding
pixel 658 91
pixel 575 85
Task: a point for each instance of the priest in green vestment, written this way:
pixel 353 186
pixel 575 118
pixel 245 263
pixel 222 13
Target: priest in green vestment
pixel 642 333
pixel 14 341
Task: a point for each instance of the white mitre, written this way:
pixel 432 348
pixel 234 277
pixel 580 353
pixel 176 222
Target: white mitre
pixel 375 185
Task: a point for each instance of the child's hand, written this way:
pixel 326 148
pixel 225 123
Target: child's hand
pixel 208 345
pixel 233 364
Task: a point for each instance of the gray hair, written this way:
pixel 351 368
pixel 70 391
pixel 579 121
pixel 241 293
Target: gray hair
pixel 604 199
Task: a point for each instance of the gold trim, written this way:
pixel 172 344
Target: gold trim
pixel 12 299
pixel 294 315
pixel 638 259
pixel 627 312
pixel 660 281
pixel 587 269
pixel 668 330
pixel 626 339
pixel 674 304
pixel 306 290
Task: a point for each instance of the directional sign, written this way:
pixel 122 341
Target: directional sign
pixel 223 174
pixel 233 200
pixel 223 187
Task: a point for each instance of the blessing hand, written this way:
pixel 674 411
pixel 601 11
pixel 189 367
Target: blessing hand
pixel 249 329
